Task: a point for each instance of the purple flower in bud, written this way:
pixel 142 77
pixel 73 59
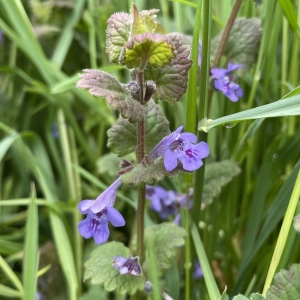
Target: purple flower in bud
pixel 127 265
pixel 180 146
pixel 99 212
pixel 224 82
pixel 162 201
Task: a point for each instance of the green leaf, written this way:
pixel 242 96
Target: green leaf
pixel 171 80
pixel 153 48
pixel 286 107
pixel 223 296
pixel 218 174
pixel 143 22
pixel 147 174
pixel 94 292
pixel 166 239
pixel 257 296
pixel 289 12
pixel 117 34
pixel 6 143
pixel 286 285
pixel 102 84
pixel 240 297
pixel 122 136
pixel 99 268
pixel 30 264
pixel 9 292
pixel 243 42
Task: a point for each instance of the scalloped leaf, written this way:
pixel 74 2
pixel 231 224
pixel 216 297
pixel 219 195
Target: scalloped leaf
pixel 164 239
pixel 122 136
pixel 286 285
pixel 218 174
pixel 171 80
pixel 153 48
pixel 143 22
pixel 100 270
pixel 117 35
pixel 102 84
pixel 147 174
pixel 243 42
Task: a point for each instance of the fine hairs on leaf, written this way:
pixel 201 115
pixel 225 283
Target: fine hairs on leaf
pixel 254 296
pixel 217 175
pixel 100 270
pixel 168 238
pixel 171 80
pixel 122 138
pixel 102 84
pixel 286 284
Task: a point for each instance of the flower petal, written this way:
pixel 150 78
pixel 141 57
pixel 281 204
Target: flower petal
pixel 102 233
pixel 119 261
pixel 202 149
pixel 161 148
pixel 84 206
pixel 190 164
pixel 115 217
pixel 84 228
pixel 218 72
pixel 187 136
pixel 170 160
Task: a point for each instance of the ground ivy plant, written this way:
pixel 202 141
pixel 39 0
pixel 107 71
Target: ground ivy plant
pixel 159 65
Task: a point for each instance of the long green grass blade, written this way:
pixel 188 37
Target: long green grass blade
pixel 31 251
pixel 280 108
pixel 9 292
pixel 11 275
pixel 284 231
pixel 210 282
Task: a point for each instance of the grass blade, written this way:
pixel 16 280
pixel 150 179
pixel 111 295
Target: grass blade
pixel 31 251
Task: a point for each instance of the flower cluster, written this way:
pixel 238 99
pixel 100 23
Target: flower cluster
pixel 224 82
pixel 180 146
pixel 99 212
pixel 167 203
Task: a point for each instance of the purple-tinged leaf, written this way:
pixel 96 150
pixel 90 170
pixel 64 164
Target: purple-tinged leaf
pixel 102 84
pixel 171 80
pixel 152 48
pixel 122 135
pixel 117 34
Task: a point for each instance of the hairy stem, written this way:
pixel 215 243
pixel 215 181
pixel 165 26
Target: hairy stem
pixel 140 156
pixel 223 40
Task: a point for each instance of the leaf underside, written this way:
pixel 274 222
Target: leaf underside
pixel 102 84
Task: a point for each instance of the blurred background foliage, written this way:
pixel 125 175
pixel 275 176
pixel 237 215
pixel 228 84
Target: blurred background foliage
pixel 54 135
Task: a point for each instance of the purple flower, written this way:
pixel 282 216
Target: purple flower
pixel 199 54
pixel 162 201
pixel 180 146
pixel 99 212
pixel 225 84
pixel 127 265
pixel 198 272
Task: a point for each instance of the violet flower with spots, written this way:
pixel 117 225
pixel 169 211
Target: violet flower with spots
pixel 180 146
pixel 224 82
pixel 99 212
pixel 127 265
